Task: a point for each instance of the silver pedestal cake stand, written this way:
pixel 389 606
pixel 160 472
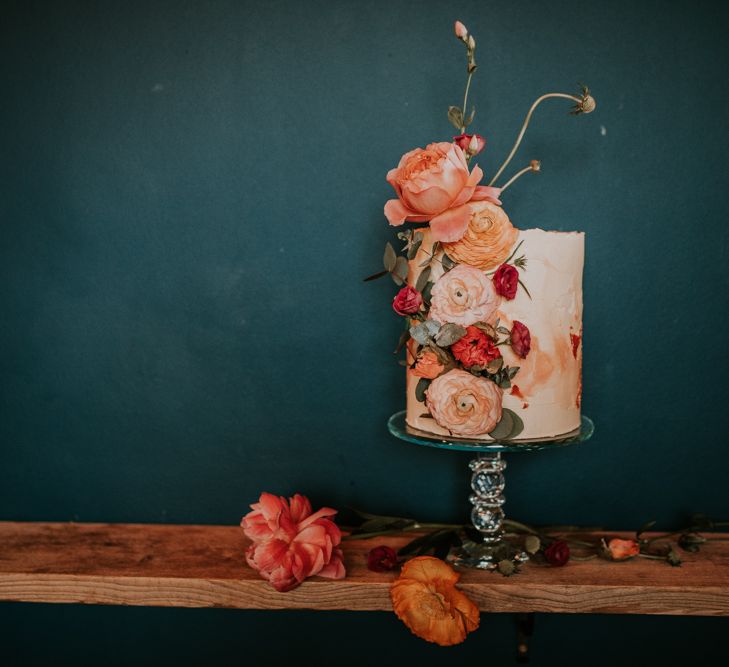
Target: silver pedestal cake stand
pixel 487 484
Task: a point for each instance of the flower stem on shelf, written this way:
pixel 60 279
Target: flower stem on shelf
pixel 539 100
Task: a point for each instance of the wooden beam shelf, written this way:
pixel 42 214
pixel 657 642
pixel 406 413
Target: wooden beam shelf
pixel 203 566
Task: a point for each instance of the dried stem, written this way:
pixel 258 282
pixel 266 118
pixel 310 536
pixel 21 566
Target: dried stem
pixel 518 174
pixel 526 124
pixel 465 101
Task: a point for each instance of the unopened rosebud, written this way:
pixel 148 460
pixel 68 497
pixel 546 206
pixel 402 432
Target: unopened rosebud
pixel 471 144
pixel 536 165
pixel 460 30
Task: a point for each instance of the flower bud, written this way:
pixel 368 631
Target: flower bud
pixel 588 104
pixel 461 30
pixel 471 42
pixel 536 165
pixel 471 144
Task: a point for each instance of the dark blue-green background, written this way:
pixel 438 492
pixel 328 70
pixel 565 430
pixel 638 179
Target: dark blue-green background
pixel 190 195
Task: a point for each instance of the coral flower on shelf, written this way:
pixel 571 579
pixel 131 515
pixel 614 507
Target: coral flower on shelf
pixel 426 599
pixel 290 543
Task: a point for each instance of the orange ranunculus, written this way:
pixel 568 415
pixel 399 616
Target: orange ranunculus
pixel 487 240
pixel 623 549
pixel 427 366
pixel 426 599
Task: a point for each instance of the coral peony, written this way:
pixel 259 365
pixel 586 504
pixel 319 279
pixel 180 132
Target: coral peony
pixel 506 281
pixel 407 301
pixel 487 240
pixel 475 348
pixel 463 403
pixel 463 296
pixel 426 599
pixel 557 553
pixel 382 559
pixel 623 549
pixel 434 184
pixel 290 543
pixel 521 339
pixel 428 366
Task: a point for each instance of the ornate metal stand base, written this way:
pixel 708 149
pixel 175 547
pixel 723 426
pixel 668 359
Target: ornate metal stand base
pixel 487 517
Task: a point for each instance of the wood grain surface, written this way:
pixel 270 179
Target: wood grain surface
pixel 203 566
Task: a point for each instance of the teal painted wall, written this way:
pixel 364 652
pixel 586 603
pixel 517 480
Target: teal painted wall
pixel 190 195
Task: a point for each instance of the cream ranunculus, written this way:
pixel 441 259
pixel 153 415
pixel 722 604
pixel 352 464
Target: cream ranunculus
pixel 463 403
pixel 488 239
pixel 464 295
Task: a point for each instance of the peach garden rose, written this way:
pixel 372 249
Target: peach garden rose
pixel 433 184
pixel 464 295
pixel 488 239
pixel 463 403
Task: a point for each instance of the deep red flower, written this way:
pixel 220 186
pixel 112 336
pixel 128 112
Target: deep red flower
pixel 475 348
pixel 557 553
pixel 521 339
pixel 407 301
pixel 382 559
pixel 467 143
pixel 506 280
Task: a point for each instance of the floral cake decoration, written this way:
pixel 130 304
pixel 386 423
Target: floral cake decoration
pixel 468 263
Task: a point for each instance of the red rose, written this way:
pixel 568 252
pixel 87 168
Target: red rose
pixel 475 348
pixel 506 280
pixel 407 301
pixel 521 339
pixel 557 553
pixel 472 144
pixel 382 559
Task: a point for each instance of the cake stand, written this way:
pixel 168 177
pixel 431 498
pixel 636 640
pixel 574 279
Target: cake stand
pixel 487 483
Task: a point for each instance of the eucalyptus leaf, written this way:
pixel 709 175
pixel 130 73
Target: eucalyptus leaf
pixel 504 382
pixel 487 329
pixel 420 389
pixel 422 279
pixel 420 334
pixel 413 249
pixel 401 268
pixel 503 429
pixel 503 330
pixel 455 116
pixel 449 333
pixel 494 366
pixel 390 257
pixel 426 292
pixel 447 262
pixel 518 425
pixel 433 326
pixel 512 371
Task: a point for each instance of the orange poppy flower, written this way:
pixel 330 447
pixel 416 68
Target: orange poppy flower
pixel 426 599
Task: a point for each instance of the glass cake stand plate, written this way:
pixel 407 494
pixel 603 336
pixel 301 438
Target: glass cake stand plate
pixel 487 484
